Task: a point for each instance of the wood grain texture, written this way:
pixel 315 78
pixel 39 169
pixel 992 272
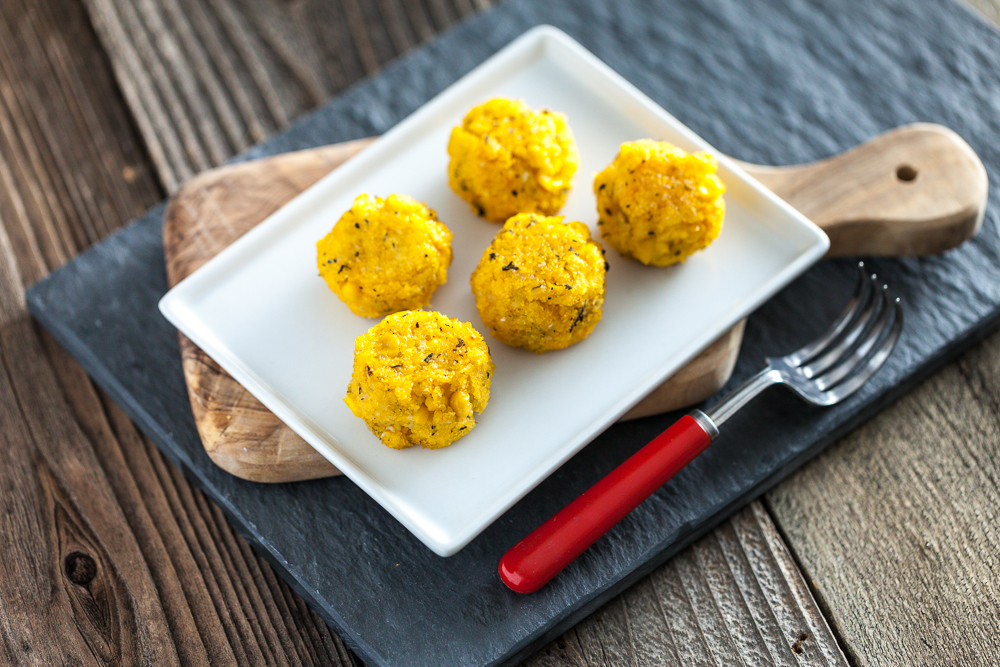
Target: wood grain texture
pixel 206 79
pixel 896 527
pixel 110 556
pixel 206 215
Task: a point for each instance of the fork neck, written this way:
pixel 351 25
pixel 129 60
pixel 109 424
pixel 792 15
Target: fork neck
pixel 742 395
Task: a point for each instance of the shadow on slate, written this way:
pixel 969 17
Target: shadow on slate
pixel 776 83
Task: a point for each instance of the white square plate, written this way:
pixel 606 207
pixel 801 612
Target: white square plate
pixel 261 311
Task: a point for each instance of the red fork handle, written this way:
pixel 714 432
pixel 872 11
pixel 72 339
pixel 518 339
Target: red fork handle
pixel 540 556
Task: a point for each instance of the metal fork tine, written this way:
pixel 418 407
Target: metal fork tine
pixel 857 356
pixel 857 300
pixel 850 352
pixel 853 383
pixel 841 346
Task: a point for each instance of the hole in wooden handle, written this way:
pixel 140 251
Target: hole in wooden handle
pixel 906 173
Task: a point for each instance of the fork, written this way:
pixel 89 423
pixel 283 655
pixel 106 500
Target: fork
pixel 823 372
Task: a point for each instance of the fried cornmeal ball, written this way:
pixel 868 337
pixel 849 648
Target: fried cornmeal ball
pixel 507 159
pixel 540 284
pixel 384 256
pixel 418 378
pixel 657 203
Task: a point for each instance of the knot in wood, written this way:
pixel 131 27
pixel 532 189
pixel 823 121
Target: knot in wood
pixel 80 568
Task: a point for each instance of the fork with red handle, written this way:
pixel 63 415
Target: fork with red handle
pixel 824 372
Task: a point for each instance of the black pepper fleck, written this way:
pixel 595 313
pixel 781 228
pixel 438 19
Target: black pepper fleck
pixel 510 267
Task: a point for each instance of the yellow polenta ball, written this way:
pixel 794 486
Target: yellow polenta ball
pixel 507 159
pixel 384 256
pixel 540 284
pixel 418 379
pixel 657 203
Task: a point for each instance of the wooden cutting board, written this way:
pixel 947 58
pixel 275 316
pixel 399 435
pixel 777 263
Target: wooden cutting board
pixel 914 190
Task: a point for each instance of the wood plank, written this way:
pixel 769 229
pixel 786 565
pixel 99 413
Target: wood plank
pixel 735 597
pixel 205 79
pixel 61 195
pixel 105 561
pixel 896 525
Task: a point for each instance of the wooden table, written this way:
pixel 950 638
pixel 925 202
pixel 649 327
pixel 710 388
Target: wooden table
pixel 883 551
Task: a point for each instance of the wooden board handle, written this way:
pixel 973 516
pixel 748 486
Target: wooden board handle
pixel 915 190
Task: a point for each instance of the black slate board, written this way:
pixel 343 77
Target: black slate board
pixel 770 82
